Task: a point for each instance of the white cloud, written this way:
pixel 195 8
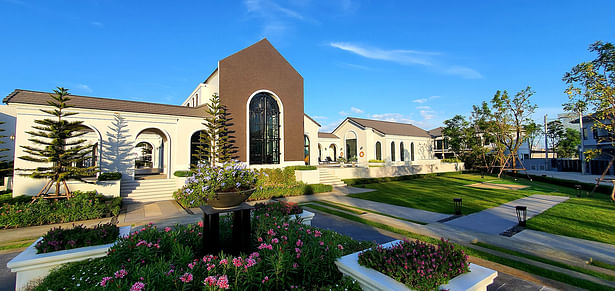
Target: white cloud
pixel 420 100
pixel 84 88
pixel 424 107
pixel 318 117
pixel 356 110
pixel 276 19
pixel 427 114
pixel 330 126
pixel 398 56
pixel 393 117
pixel 343 113
pixel 463 72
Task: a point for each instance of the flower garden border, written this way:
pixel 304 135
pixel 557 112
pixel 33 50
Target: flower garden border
pixel 31 266
pixel 478 278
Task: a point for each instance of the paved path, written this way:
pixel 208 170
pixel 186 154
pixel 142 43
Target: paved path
pixel 7 278
pixel 591 249
pixel 575 176
pixel 501 218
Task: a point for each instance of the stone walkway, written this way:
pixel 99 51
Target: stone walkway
pixel 501 218
pixel 574 176
pixel 591 249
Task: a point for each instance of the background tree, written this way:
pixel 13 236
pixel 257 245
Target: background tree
pixel 216 136
pixel 555 132
pixel 532 131
pixel 456 130
pixel 591 87
pixel 568 144
pixel 59 148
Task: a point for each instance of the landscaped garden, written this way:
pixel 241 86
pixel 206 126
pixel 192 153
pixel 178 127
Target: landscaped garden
pixel 586 217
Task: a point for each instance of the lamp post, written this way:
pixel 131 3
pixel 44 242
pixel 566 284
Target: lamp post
pixel 521 215
pixel 582 153
pixel 578 187
pixel 457 204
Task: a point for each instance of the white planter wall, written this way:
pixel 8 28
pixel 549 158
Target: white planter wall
pixel 308 176
pixel 477 279
pixel 31 266
pixel 306 217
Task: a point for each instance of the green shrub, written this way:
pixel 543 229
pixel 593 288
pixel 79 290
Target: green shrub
pixel 59 239
pixel 83 206
pixel 7 198
pixel 451 160
pixel 283 255
pixel 302 168
pixel 182 173
pixel 376 161
pixel 111 176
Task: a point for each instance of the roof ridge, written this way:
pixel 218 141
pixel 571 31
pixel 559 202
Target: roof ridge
pixel 386 121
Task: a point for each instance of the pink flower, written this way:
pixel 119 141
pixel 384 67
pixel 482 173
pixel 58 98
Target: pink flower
pixel 284 237
pixel 271 232
pixel 260 239
pixel 211 281
pixel 299 243
pixel 223 282
pixel 167 229
pixel 223 262
pixel 265 279
pixel 275 240
pixel 340 247
pixel 186 278
pixel 104 281
pixel 191 266
pixel 210 266
pixel 297 250
pixel 317 233
pixel 237 262
pixel 200 224
pixel 295 265
pixel 138 286
pixel 121 273
pixel 322 243
pixel 250 262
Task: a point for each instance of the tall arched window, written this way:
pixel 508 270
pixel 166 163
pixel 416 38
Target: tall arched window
pixel 392 151
pixel 351 145
pixel 412 151
pixel 306 149
pixel 264 129
pixel 378 151
pixel 401 151
pixel 144 155
pixel 198 148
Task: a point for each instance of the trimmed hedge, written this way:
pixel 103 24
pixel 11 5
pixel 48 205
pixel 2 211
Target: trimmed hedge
pixel 375 161
pixel 182 173
pixel 301 168
pixel 111 176
pixel 361 181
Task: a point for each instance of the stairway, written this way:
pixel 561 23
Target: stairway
pixel 143 191
pixel 326 177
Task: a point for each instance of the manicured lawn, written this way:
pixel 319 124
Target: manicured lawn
pixel 436 193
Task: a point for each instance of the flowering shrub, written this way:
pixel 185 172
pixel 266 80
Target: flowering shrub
pixel 79 236
pixel 278 208
pixel 418 265
pixel 285 255
pixel 206 181
pixel 83 206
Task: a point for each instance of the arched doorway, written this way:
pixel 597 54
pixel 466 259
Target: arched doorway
pixel 333 150
pixel 152 151
pixel 306 149
pixel 198 148
pixel 351 145
pixel 92 137
pixel 264 124
pixel 378 151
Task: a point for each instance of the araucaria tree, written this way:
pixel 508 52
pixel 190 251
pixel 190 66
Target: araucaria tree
pixel 216 136
pixel 59 147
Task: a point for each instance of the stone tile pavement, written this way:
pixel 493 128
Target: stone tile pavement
pixel 501 218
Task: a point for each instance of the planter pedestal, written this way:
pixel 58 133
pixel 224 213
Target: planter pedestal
pixel 31 266
pixel 241 228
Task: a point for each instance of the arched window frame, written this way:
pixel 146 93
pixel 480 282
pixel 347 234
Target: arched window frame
pixel 378 151
pixel 276 156
pixel 392 151
pixel 306 149
pixel 401 151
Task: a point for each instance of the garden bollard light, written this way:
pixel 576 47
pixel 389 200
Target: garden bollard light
pixel 457 204
pixel 521 215
pixel 578 187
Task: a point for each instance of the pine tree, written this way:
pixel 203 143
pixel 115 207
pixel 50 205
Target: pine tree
pixel 216 136
pixel 60 148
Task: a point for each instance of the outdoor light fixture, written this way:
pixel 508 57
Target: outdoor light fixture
pixel 521 214
pixel 12 137
pixel 578 187
pixel 457 203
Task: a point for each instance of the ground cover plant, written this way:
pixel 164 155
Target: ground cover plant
pixel 83 206
pixel 416 264
pixel 285 255
pixel 59 239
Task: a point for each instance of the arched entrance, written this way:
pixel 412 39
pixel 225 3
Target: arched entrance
pixel 92 137
pixel 333 150
pixel 264 124
pixel 152 151
pixel 198 148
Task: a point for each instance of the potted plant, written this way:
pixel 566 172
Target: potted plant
pixel 341 160
pixel 353 160
pixel 222 185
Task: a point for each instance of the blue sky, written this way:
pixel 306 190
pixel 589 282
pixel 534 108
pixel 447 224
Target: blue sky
pixel 420 62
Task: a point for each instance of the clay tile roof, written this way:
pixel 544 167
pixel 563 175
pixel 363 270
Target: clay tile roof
pixel 41 98
pixel 326 135
pixel 387 127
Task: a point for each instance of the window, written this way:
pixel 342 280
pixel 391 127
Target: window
pixel 412 151
pixel 378 151
pixel 198 148
pixel 392 151
pixel 401 151
pixel 351 145
pixel 306 149
pixel 144 155
pixel 264 123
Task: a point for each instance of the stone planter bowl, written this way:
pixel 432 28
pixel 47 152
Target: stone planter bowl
pixel 229 199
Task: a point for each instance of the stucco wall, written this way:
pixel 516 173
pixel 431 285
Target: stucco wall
pixel 378 172
pixel 311 130
pixel 7 115
pixel 24 185
pixel 308 177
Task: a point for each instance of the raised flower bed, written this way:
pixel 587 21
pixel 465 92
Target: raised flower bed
pixel 478 277
pixel 31 265
pixel 284 208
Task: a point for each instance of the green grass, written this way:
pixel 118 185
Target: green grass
pixel 436 193
pixel 336 206
pixel 547 261
pixel 375 212
pixel 16 245
pixel 476 253
pixel 603 265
